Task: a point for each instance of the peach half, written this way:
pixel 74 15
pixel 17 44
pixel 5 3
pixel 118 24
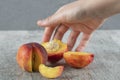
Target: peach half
pixel 55 50
pixel 50 72
pixel 78 59
pixel 30 56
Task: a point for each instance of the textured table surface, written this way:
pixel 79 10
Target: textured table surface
pixel 105 44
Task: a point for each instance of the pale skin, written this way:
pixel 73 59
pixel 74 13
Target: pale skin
pixel 81 16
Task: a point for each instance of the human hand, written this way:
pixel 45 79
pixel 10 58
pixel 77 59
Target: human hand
pixel 83 16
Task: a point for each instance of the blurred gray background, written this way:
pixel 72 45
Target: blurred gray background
pixel 23 14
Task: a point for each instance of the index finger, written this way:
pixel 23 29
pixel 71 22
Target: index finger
pixel 47 34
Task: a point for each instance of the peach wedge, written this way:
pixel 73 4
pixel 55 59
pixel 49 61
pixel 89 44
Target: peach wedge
pixel 55 50
pixel 30 56
pixel 50 72
pixel 78 59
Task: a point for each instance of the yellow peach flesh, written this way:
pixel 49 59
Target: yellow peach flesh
pixel 78 59
pixel 54 46
pixel 50 72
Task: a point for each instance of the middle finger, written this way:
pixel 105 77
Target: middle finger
pixel 60 32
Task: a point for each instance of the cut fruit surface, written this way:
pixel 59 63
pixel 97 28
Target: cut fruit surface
pixel 54 46
pixel 78 59
pixel 55 50
pixel 50 72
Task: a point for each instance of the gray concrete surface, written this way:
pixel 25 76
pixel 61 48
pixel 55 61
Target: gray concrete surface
pixel 106 64
pixel 23 14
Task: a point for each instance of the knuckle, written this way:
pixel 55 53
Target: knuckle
pixel 80 14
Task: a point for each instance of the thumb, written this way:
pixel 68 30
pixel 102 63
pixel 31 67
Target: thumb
pixel 50 21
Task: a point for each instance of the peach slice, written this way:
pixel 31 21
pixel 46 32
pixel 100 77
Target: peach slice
pixel 55 50
pixel 30 56
pixel 50 72
pixel 78 59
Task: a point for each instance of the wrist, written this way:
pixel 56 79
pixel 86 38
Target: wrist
pixel 102 8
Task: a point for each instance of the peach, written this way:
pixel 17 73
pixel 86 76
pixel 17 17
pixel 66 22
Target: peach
pixel 30 56
pixel 55 50
pixel 78 59
pixel 50 72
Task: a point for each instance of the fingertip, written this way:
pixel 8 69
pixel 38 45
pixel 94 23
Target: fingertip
pixel 45 39
pixel 79 49
pixel 69 48
pixel 41 23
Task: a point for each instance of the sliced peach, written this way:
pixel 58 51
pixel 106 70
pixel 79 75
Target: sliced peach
pixel 78 59
pixel 55 50
pixel 30 56
pixel 50 72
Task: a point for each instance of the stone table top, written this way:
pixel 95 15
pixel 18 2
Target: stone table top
pixel 105 44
